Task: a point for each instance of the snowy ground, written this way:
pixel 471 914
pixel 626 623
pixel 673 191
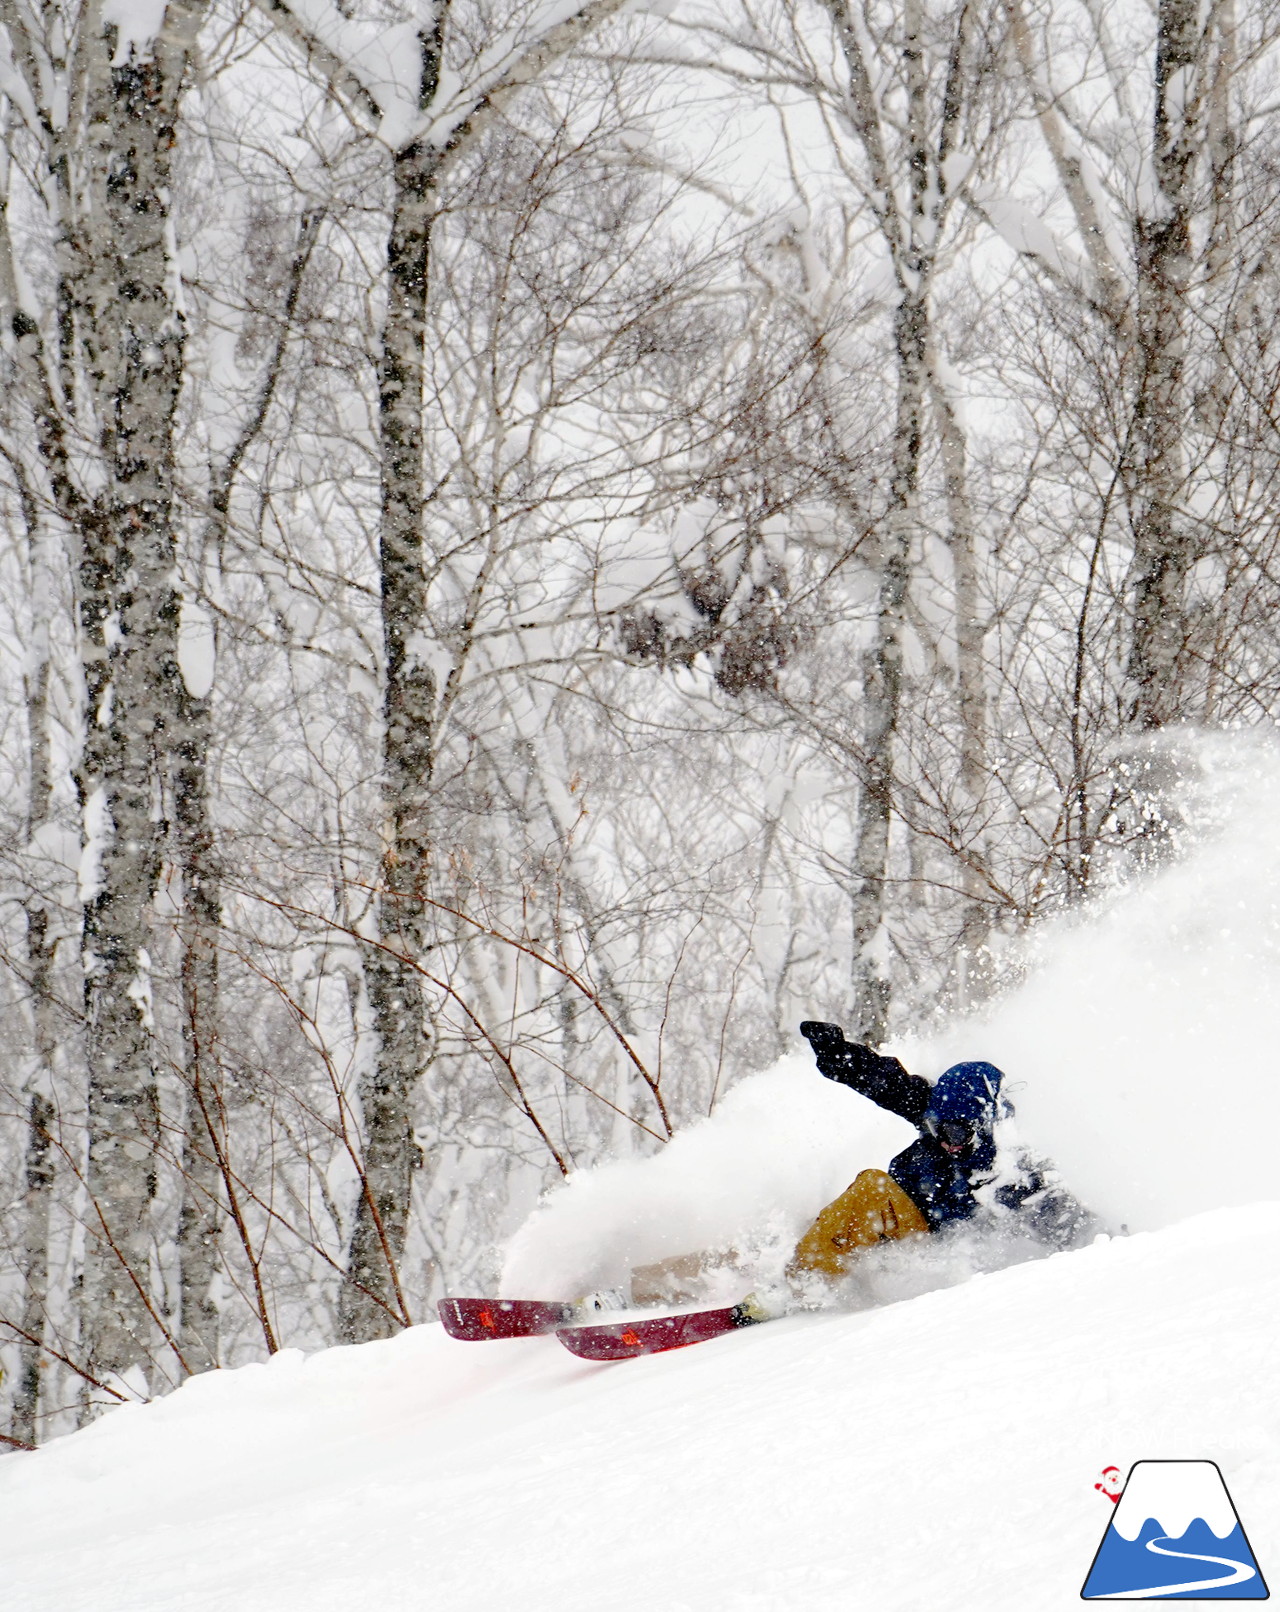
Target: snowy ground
pixel 938 1452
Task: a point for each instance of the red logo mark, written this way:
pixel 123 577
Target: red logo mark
pixel 631 1341
pixel 486 1319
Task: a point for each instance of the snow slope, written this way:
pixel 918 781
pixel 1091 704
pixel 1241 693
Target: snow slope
pixel 937 1452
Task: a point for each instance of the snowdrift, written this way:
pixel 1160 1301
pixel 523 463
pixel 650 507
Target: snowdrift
pixel 939 1452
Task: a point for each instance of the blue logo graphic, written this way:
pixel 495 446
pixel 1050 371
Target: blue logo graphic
pixel 1174 1536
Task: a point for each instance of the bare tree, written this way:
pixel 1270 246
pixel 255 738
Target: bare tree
pixel 1155 226
pixel 440 117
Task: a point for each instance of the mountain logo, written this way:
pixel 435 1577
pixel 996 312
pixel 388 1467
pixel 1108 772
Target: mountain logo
pixel 1174 1535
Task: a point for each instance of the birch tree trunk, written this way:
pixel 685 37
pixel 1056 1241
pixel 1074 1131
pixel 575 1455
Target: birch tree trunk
pixel 371 1304
pixel 1165 544
pixel 134 333
pixel 37 1205
pixel 971 974
pixel 882 678
pixel 38 1161
pixel 1108 292
pixel 201 1211
pixel 1164 540
pixel 911 228
pixel 1222 150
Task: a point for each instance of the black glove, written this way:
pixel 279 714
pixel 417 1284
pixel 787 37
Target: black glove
pixel 822 1037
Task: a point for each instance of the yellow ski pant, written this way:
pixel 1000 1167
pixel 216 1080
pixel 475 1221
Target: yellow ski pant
pixel 874 1209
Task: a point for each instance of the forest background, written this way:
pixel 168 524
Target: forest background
pixel 544 542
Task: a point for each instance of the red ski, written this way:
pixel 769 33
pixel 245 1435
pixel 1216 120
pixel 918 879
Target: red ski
pixel 479 1320
pixel 623 1340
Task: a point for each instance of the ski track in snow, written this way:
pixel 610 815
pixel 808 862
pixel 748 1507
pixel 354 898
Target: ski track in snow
pixel 937 1452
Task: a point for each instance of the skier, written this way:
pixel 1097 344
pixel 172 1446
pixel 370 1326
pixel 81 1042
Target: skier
pixel 966 1164
pixel 966 1167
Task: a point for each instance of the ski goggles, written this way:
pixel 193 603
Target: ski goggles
pixel 952 1137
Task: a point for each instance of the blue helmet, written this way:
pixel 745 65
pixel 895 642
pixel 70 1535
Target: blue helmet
pixel 963 1108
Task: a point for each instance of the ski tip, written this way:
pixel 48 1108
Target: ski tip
pixel 483 1320
pixel 464 1318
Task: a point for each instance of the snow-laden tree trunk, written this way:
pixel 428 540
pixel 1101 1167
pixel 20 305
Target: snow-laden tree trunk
pixel 1166 543
pixel 1164 536
pixel 133 331
pixel 1190 169
pixel 1223 151
pixel 38 1165
pixel 971 972
pixel 882 677
pixel 37 1204
pixel 910 208
pixel 371 1304
pixel 1106 289
pixel 24 346
pixel 201 1208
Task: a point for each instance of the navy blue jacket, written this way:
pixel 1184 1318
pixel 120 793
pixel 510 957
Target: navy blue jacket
pixel 941 1185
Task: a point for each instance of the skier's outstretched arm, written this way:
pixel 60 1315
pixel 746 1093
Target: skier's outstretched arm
pixel 882 1079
